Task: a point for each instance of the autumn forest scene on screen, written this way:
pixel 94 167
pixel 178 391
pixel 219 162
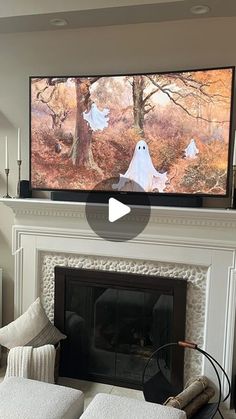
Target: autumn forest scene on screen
pixel 167 132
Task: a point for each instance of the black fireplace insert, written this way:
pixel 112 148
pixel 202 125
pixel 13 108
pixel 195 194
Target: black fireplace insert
pixel 114 321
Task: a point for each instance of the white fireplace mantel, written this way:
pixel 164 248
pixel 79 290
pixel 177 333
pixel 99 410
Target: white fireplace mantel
pixel 197 224
pixel 201 237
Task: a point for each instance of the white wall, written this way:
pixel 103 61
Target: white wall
pixel 131 48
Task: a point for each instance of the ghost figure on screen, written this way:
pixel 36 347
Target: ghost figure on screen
pixel 142 172
pixel 98 120
pixel 191 151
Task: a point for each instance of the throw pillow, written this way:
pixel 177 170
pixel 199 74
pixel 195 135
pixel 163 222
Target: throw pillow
pixel 33 328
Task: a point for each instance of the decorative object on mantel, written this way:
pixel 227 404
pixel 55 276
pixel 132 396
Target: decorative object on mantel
pixel 160 387
pixel 7 175
pixel 7 170
pixel 19 161
pixel 25 191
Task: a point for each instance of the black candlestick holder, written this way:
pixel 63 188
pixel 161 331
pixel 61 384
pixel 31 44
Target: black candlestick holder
pixel 7 175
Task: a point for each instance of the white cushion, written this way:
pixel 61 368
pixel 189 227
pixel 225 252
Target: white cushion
pixel 33 328
pixel 21 398
pixel 107 406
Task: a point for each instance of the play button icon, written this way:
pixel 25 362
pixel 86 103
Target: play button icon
pixel 117 215
pixel 117 210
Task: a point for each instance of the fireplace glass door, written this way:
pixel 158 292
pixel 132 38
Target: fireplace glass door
pixel 113 329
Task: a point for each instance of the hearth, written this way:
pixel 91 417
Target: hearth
pixel 114 321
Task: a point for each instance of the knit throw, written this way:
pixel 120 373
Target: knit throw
pixel 34 363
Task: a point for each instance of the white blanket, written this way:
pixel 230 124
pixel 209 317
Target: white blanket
pixel 34 363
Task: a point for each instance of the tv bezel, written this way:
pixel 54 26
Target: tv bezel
pixel 136 197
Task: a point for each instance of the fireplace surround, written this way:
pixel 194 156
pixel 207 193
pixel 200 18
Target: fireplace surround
pixel 195 276
pixel 199 242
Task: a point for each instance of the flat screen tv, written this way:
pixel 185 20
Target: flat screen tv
pixel 171 133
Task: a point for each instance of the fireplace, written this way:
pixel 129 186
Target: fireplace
pixel 114 321
pixel 196 244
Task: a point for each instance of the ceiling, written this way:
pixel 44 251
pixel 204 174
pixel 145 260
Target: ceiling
pixel 11 8
pixel 35 15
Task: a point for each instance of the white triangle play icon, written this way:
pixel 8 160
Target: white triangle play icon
pixel 117 210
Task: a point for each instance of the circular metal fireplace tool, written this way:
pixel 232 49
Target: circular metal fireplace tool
pixel 158 387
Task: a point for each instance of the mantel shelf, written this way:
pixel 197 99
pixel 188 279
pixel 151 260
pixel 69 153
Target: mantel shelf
pixel 210 217
pixel 16 204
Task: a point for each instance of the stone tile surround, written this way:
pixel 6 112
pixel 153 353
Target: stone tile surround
pixel 196 290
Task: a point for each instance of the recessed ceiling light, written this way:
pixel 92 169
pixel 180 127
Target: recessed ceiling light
pixel 58 22
pixel 200 9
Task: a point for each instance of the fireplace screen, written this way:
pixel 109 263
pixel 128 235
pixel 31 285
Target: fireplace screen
pixel 114 321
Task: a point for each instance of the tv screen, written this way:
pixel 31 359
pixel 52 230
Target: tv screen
pixel 167 132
